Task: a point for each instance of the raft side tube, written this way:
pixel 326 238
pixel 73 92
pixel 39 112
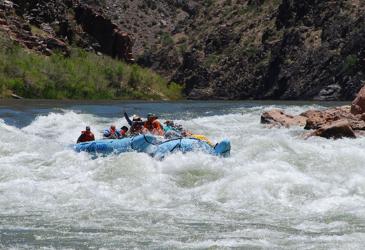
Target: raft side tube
pixel 223 148
pixel 185 145
pixel 139 143
pixel 151 145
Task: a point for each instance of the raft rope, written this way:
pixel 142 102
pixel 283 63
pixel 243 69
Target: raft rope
pixel 176 146
pixel 160 143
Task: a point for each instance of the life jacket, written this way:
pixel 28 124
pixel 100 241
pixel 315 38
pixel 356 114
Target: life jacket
pixel 123 133
pixel 148 125
pixel 113 134
pixel 177 128
pixel 167 128
pixel 154 127
pixel 86 136
pixel 136 128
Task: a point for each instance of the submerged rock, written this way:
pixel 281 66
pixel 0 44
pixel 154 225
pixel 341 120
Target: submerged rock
pixel 277 117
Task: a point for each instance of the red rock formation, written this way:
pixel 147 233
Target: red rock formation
pixel 337 122
pixel 358 105
pixel 336 130
pixel 277 117
pixel 319 118
pixel 111 39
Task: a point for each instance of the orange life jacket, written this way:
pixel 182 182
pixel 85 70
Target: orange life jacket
pixel 154 127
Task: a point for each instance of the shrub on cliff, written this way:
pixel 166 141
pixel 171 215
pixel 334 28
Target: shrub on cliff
pixel 83 75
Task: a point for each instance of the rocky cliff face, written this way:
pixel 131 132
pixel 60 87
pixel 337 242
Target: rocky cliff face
pixel 289 49
pixel 49 26
pixel 219 49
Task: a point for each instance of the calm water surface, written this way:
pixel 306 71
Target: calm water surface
pixel 276 191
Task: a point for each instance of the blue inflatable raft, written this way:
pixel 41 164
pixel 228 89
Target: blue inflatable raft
pixel 139 143
pixel 151 145
pixel 185 145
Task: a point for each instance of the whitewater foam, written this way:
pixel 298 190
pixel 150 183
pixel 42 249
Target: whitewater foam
pixel 275 191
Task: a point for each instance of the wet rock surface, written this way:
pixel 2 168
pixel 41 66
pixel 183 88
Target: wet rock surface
pixel 277 117
pixel 334 123
pixel 336 130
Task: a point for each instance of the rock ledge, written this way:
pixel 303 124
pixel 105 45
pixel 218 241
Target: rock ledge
pixel 345 121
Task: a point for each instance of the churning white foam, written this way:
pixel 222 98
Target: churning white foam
pixel 276 190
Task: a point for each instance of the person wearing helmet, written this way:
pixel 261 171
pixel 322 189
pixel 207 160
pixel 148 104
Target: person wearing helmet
pixel 170 125
pixel 136 124
pixel 153 126
pixel 172 130
pixel 86 135
pixel 111 133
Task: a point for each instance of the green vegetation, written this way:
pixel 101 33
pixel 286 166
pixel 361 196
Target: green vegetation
pixel 83 75
pixel 182 48
pixel 249 51
pixel 166 39
pixel 350 64
pixel 211 60
pixel 208 3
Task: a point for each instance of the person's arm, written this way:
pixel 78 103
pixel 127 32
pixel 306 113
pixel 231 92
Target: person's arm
pixel 92 137
pixel 80 138
pixel 128 119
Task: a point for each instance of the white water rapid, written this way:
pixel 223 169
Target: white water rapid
pixel 276 191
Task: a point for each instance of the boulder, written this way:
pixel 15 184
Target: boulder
pixel 337 129
pixel 357 124
pixel 277 117
pixel 329 123
pixel 358 105
pixel 329 93
pixel 315 119
pixel 318 118
pixel 7 4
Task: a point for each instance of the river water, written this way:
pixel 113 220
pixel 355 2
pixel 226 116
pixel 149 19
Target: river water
pixel 276 191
